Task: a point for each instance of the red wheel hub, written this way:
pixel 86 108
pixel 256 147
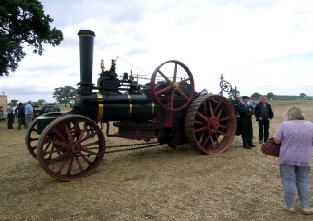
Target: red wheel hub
pixel 213 124
pixel 75 147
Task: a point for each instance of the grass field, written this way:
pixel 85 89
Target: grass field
pixel 158 183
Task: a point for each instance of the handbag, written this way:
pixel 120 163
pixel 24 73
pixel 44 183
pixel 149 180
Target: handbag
pixel 270 148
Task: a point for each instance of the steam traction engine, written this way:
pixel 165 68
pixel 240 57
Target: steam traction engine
pixel 71 145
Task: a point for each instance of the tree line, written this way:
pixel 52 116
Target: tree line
pixel 271 96
pixel 63 95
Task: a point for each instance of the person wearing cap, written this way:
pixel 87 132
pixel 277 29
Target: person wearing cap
pixel 263 113
pixel 245 112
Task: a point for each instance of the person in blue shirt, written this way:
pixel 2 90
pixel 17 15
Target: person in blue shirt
pixel 252 103
pixel 29 113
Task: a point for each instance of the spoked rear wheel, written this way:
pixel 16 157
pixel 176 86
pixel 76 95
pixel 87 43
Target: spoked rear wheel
pixel 210 124
pixel 71 147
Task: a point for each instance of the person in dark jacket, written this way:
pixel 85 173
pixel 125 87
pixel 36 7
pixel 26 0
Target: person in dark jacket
pixel 263 113
pixel 45 109
pixel 245 112
pixel 21 116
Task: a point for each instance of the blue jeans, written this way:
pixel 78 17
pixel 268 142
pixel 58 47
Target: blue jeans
pixel 28 119
pixel 296 177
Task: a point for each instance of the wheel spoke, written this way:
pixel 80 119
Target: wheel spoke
pixel 33 139
pixel 70 166
pixel 57 159
pixel 68 132
pixel 163 75
pixel 57 143
pixel 219 113
pixel 198 122
pixel 225 118
pixel 216 136
pixel 84 146
pixel 182 94
pixel 202 116
pixel 175 72
pixel 211 109
pixel 217 107
pixel 206 141
pixel 79 164
pixel 62 166
pixel 172 99
pixel 59 135
pixel 164 90
pixel 222 133
pixel 199 129
pixel 212 141
pixel 223 126
pixel 85 159
pixel 201 137
pixel 81 137
pixel 90 152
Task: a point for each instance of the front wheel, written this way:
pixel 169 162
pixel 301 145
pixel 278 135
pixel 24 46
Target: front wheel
pixel 71 147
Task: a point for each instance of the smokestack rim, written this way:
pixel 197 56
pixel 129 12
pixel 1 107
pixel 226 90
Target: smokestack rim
pixel 86 33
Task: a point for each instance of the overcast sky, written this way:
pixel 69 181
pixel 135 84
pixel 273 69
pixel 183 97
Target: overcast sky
pixel 259 45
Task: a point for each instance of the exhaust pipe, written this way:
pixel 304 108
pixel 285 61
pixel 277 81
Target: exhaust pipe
pixel 86 38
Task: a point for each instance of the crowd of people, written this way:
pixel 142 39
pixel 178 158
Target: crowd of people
pixel 295 135
pixel 263 113
pixel 25 113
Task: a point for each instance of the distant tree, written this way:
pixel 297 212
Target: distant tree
pixel 256 96
pixel 303 95
pixel 270 96
pixel 41 101
pixel 14 101
pixel 64 94
pixel 23 23
pixel 234 93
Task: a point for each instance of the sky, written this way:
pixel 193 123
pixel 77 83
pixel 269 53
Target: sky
pixel 258 45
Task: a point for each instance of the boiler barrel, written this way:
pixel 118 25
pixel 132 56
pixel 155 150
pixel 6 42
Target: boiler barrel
pixel 120 107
